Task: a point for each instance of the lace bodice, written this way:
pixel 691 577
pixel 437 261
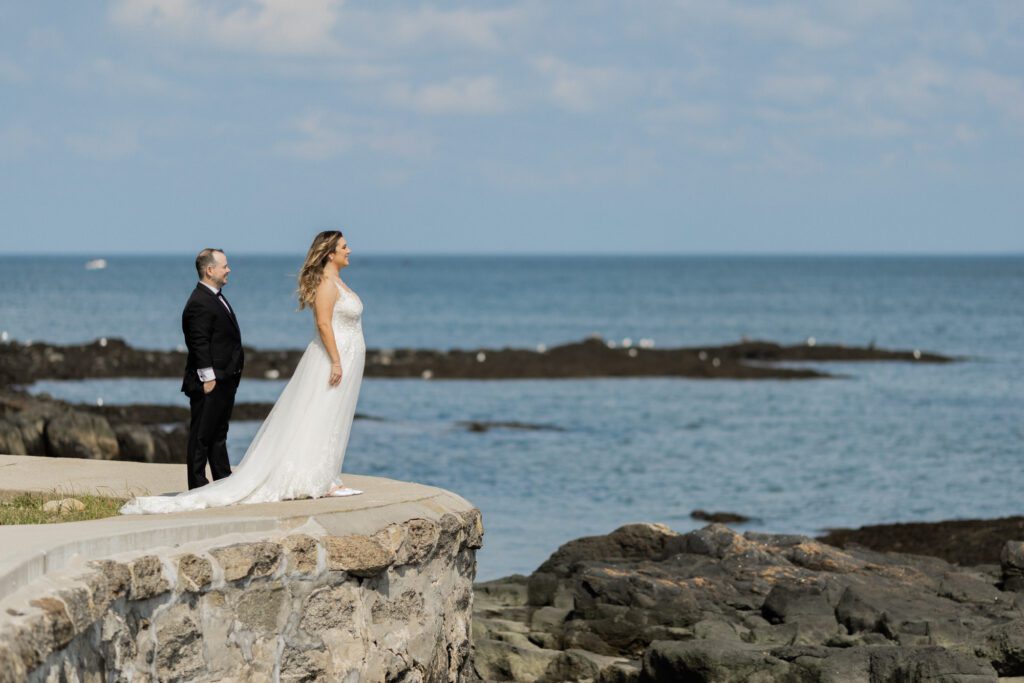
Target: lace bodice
pixel 348 315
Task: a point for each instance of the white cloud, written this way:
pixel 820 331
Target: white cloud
pixel 1004 93
pixel 459 95
pixel 118 142
pixel 265 26
pixel 312 27
pixel 790 23
pixel 581 88
pixel 317 140
pixel 323 136
pixel 477 28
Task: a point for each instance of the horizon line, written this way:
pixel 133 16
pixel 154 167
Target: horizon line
pixel 520 255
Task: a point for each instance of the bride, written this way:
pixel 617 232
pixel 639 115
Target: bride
pixel 299 448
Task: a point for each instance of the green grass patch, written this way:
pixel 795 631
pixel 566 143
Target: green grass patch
pixel 24 507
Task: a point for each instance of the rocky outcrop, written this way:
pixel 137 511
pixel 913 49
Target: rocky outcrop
pixel 302 606
pixel 645 603
pixel 960 541
pixel 593 357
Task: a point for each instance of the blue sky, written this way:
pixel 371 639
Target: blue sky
pixel 530 127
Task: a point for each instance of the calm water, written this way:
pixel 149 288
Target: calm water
pixel 891 442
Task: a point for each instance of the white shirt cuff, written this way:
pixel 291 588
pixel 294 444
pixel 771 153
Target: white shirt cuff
pixel 206 375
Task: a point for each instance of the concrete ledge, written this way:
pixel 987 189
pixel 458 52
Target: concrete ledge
pixel 33 551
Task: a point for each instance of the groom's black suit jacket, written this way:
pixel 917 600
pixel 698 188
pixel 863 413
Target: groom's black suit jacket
pixel 212 337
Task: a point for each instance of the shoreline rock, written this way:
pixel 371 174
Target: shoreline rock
pixel 646 603
pixel 966 542
pixel 111 358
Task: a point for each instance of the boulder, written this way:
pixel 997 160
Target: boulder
pixel 1011 560
pixel 135 442
pixel 76 434
pixel 11 442
pixel 63 506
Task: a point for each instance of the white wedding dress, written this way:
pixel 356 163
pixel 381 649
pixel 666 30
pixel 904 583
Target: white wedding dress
pixel 299 448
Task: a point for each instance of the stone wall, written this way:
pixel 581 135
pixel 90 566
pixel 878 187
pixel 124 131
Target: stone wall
pixel 304 605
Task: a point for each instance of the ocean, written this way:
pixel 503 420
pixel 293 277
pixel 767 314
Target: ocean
pixel 886 442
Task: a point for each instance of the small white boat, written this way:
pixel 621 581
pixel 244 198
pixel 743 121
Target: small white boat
pixel 96 264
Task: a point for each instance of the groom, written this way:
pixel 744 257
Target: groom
pixel 213 368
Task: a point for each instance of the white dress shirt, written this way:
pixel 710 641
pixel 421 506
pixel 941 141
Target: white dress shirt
pixel 206 374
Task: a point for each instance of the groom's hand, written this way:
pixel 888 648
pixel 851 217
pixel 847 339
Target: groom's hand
pixel 208 386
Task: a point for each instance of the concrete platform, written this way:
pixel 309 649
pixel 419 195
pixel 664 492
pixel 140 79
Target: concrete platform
pixel 28 552
pixel 97 477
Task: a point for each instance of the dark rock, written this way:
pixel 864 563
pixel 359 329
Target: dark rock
pixel 23 364
pixel 1011 559
pixel 487 425
pixel 715 605
pixel 135 442
pixel 77 434
pixel 630 542
pixel 965 542
pixel 720 517
pixel 11 442
pixel 709 660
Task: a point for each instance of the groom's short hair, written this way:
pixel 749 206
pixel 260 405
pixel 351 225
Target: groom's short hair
pixel 206 259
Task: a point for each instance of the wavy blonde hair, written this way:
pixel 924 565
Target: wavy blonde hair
pixel 312 271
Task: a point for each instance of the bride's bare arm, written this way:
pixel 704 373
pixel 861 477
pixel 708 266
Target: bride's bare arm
pixel 323 312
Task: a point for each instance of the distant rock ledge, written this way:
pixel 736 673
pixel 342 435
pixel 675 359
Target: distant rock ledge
pixel 22 363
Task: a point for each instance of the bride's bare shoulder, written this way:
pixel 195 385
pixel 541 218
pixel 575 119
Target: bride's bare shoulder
pixel 326 292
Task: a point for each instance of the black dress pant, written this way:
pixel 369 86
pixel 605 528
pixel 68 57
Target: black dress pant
pixel 208 432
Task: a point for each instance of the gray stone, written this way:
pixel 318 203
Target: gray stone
pixel 11 442
pixel 147 578
pixel 299 666
pixel 302 551
pixel 803 604
pixel 507 662
pixel 243 560
pixel 710 660
pixel 76 434
pixel 548 618
pixel 262 609
pixel 194 572
pixel 329 608
pixel 474 528
pixel 420 539
pixel 1011 559
pixel 135 442
pixel 179 653
pixel 78 603
pixel 31 425
pixel 1003 645
pixel 391 538
pixel 406 607
pixel 56 622
pixel 108 581
pixel 357 555
pixel 451 535
pixel 12 669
